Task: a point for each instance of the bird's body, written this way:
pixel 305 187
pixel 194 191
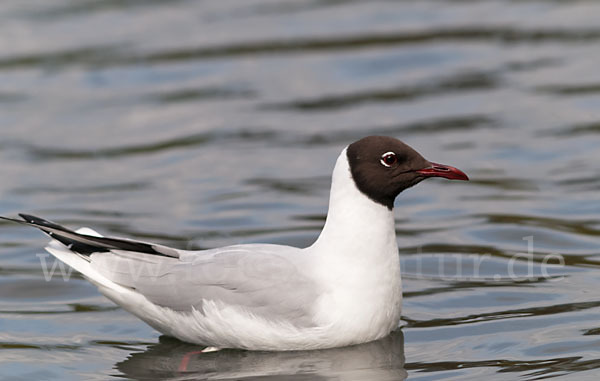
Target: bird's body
pixel 344 289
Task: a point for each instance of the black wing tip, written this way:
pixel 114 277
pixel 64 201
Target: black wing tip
pixel 85 244
pixel 12 219
pixel 30 218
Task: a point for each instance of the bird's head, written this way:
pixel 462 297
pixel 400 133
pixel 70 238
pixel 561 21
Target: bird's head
pixel 382 167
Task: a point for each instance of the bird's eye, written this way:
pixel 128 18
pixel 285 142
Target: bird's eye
pixel 388 159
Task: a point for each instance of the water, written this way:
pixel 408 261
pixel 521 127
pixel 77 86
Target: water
pixel 198 124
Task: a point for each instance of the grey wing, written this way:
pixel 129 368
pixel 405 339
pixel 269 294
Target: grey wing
pixel 266 280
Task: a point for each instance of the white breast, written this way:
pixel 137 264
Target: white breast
pixel 356 259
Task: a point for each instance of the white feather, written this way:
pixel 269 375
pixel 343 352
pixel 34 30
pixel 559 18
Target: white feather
pixel 344 289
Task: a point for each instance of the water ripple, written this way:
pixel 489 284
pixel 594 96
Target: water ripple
pixel 457 83
pixel 576 130
pixel 500 315
pixel 45 153
pixel 117 55
pixel 192 95
pixel 570 90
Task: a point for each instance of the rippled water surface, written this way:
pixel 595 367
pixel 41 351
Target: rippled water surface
pixel 204 123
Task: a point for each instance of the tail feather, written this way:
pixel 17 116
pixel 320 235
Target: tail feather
pixel 75 247
pixel 87 244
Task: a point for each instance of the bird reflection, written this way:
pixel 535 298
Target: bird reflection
pixel 174 360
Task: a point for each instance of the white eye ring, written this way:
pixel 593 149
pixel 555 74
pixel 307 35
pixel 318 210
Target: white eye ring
pixel 386 155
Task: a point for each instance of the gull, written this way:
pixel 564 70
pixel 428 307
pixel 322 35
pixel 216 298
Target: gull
pixel 342 290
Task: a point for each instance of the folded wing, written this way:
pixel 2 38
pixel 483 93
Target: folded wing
pixel 265 280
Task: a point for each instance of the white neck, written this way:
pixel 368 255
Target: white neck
pixel 356 261
pixel 355 225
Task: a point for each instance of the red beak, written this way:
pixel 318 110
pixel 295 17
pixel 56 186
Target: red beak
pixel 441 170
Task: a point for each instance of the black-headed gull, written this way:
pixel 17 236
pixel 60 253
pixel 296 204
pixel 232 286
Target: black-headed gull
pixel 344 289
